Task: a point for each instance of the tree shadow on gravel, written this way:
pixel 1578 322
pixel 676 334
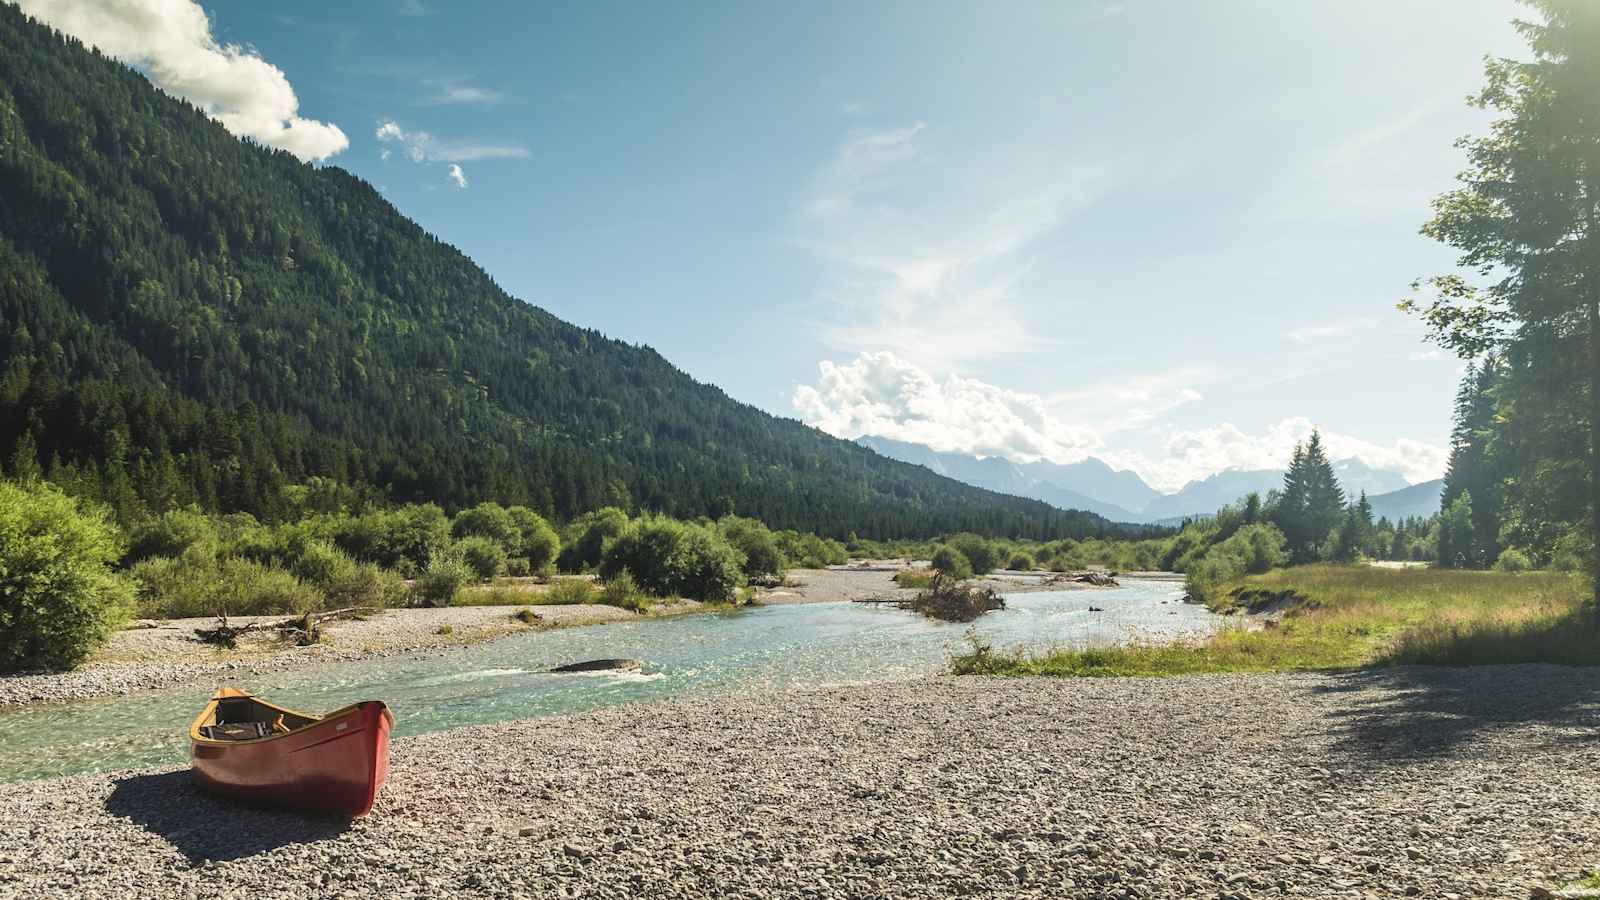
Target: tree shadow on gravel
pixel 1411 713
pixel 203 827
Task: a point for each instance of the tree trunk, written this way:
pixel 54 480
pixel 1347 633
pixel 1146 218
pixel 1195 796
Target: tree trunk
pixel 1594 444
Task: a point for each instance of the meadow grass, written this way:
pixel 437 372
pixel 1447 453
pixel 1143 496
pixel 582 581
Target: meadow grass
pixel 1340 617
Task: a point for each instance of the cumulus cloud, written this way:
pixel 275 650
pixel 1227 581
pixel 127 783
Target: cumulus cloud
pixel 921 246
pixel 1193 454
pixel 458 176
pixel 171 41
pixel 422 146
pixel 882 394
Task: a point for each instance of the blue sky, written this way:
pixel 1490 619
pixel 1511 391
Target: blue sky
pixel 1167 234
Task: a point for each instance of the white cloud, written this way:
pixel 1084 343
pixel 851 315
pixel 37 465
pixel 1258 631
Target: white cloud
pixel 465 94
pixel 1327 331
pixel 882 394
pixel 1192 454
pixel 929 256
pixel 458 176
pixel 424 147
pixel 171 41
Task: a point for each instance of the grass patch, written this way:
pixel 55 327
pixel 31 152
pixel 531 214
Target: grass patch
pixel 1340 617
pixel 914 578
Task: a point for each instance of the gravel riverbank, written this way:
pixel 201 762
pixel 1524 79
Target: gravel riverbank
pixel 1431 783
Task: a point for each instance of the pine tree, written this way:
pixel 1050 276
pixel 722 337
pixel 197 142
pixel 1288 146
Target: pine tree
pixel 1291 511
pixel 1473 468
pixel 1324 504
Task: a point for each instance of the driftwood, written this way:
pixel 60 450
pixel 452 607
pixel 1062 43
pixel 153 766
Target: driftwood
pixel 1098 579
pixel 306 629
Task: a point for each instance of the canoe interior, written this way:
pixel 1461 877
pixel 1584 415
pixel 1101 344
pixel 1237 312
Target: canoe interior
pixel 246 710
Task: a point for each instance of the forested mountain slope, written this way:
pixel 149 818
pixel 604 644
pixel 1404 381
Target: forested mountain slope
pixel 189 318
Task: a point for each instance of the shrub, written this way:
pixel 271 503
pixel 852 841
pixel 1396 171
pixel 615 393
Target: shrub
pixel 482 556
pixel 1513 560
pixel 168 535
pixel 979 551
pixel 441 583
pixel 536 541
pixel 197 584
pixel 809 551
pixel 343 581
pixel 405 539
pixel 589 537
pixel 525 616
pixel 59 599
pixel 446 630
pixel 488 520
pixel 517 567
pixel 570 590
pixel 705 566
pixel 952 563
pixel 762 558
pixel 623 592
pixel 1020 562
pixel 667 557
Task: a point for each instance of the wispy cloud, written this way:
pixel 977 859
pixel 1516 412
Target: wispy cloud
pixel 929 254
pixel 458 176
pixel 1329 331
pixel 463 95
pixel 413 8
pixel 422 146
pixel 171 41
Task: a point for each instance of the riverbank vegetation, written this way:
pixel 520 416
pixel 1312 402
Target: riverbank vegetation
pixel 1334 617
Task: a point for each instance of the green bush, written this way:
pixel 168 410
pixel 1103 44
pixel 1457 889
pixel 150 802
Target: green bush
pixel 952 563
pixel 706 567
pixel 809 551
pixel 482 556
pixel 168 535
pixel 343 581
pixel 1513 560
pixel 589 537
pixel 517 567
pixel 405 539
pixel 59 598
pixel 536 541
pixel 488 520
pixel 570 590
pixel 623 592
pixel 671 558
pixel 1021 562
pixel 197 584
pixel 979 551
pixel 762 558
pixel 441 583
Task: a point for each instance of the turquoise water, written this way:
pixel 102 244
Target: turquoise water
pixel 773 646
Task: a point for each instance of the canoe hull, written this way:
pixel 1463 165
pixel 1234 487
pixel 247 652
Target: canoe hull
pixel 335 765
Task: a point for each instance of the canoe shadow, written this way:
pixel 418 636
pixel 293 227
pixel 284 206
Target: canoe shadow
pixel 203 827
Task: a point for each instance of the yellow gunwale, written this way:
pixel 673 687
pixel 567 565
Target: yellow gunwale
pixel 224 693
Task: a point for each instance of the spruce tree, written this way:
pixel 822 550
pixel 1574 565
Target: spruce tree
pixel 1324 504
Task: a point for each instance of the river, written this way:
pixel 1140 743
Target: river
pixel 799 645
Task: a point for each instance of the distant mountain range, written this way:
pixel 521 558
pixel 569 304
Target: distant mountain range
pixel 1123 496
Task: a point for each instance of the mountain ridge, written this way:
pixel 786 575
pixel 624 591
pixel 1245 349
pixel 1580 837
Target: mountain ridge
pixel 189 318
pixel 1200 497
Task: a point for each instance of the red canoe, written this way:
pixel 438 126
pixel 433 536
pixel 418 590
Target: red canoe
pixel 249 749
